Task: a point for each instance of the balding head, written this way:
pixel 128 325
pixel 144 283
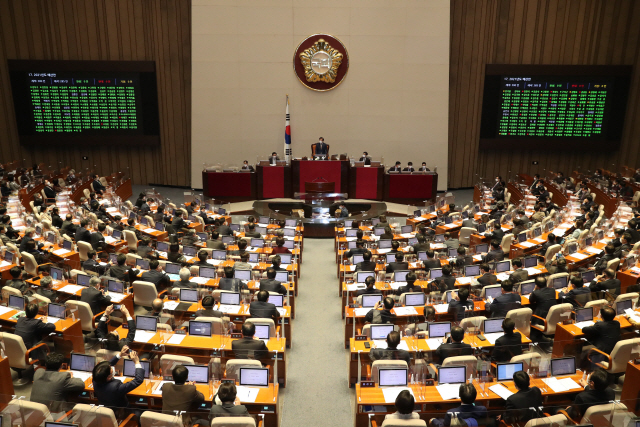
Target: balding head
pixel 156 305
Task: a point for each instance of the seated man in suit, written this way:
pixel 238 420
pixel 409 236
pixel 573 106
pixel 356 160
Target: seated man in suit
pixel 519 405
pixel 91 264
pixel 604 335
pixel 184 282
pixel 447 281
pixel 432 261
pixel 50 386
pixel 422 245
pixel 518 227
pixel 557 265
pixel 601 264
pixel 398 265
pixel 381 313
pixel 178 222
pixel 396 168
pixel 508 345
pixel 459 304
pixel 215 242
pixel 505 302
pixel 606 282
pixel 388 234
pixel 596 392
pixel 109 391
pixel 121 271
pixel 411 284
pixel 207 308
pixel 273 159
pixel 409 167
pixel 178 396
pixel 112 339
pixel 496 253
pixel 203 256
pixel 97 237
pixel 247 166
pixel 450 242
pixel 45 289
pixel 262 308
pixel 94 296
pixel 322 150
pixel 248 347
pixel 156 276
pixel 97 185
pixel 228 283
pixel 131 226
pixel 32 331
pixel 577 293
pixel 519 274
pixel 252 232
pixel 344 212
pixel 541 300
pixel 463 258
pixel 405 404
pixel 454 345
pixel 16 281
pixel 275 263
pixel 391 352
pixel 227 396
pixel 370 287
pixel 82 234
pixel 468 410
pixel 28 237
pixel 358 250
pixel 270 284
pixel 365 158
pixel 424 167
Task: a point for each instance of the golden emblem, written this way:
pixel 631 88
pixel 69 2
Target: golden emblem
pixel 321 62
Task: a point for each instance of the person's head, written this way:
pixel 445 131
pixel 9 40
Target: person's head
pixel 508 326
pixel 31 310
pixel 521 380
pixel 369 282
pixel 579 224
pixel 279 242
pixel 411 278
pixel 242 245
pixel 399 256
pixel 599 379
pixel 91 254
pixel 121 259
pixel 248 329
pixel 447 235
pixel 388 303
pixel 274 154
pixel 208 301
pixel 405 402
pixel 84 223
pixel 421 238
pixel 461 250
pixel 424 163
pixel 276 260
pixel 45 282
pixel 387 230
pixel 541 282
pixel 577 282
pixel 626 239
pixel 393 339
pixel 359 235
pixel 185 274
pixel 551 238
pixel 507 286
pixel 495 244
pixel 131 222
pixel 467 393
pixel 366 256
pixel 447 270
pixel 227 392
pixel 244 257
pixel 102 372
pixel 262 296
pixel 398 163
pixel 180 374
pixel 561 263
pixel 517 262
pixel 15 272
pixel 485 268
pixel 29 232
pixel 395 245
pixel 607 313
pixel 271 273
pixel 54 361
pixel 457 334
pixel 430 253
pixel 609 249
pixel 246 162
pixel 202 256
pixel 215 235
pixel 429 313
pixel 409 163
pixel 94 282
pixel 154 264
pixel 228 272
pixel 463 294
pixel 609 273
pixel 321 139
pixel 157 304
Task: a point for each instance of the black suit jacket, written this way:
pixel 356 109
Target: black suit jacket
pixel 247 167
pixel 122 272
pixel 503 303
pixel 230 284
pixel 494 255
pixel 83 235
pixel 454 349
pixel 270 285
pixel 518 404
pixel 588 398
pixel 601 265
pixel 543 299
pixel 321 149
pixel 51 388
pixel 263 309
pixel 156 277
pixel 366 160
pixel 31 331
pixel 248 348
pixel 97 241
pixel 611 285
pixel 184 397
pixel 389 354
pixel 113 394
pixel 96 299
pixel 506 347
pixel 228 410
pixel 49 192
pixel 225 230
pixel 603 335
pixel 432 263
pixel 56 221
pixel 366 266
pixel 178 223
pixel 395 266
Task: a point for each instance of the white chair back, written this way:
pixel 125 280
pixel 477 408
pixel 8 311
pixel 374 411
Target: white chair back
pixel 217 324
pixel 471 362
pixel 506 243
pixel 475 322
pixel 144 293
pixel 464 237
pixel 132 240
pixel 552 421
pixel 386 364
pixel 555 316
pixel 233 422
pixel 264 321
pixel 90 415
pixel 232 368
pixel 84 312
pixel 84 248
pixel 19 410
pixel 156 419
pixel 15 350
pixel 522 319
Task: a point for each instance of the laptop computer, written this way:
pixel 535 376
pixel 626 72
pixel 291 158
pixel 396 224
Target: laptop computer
pixel 505 371
pixel 82 362
pixel 188 295
pixel 56 310
pixel 229 298
pixel 493 325
pixel 530 262
pixel 563 366
pixel 361 276
pixel 435 273
pixel 282 276
pixel 493 292
pixel 471 270
pixel 129 369
pixel 584 314
pixel 481 248
pixel 527 287
pixel 357 258
pixel 200 328
pixel 502 266
pixel 199 374
pixel 262 331
pixel 400 275
pixel 392 377
pixel 254 377
pixel 452 375
pixel 189 251
pixel 142 264
pixel 370 300
pixel 146 323
pixel 277 300
pixel 414 299
pixel 208 272
pixel 56 273
pixel 559 282
pixel 439 329
pixel 242 274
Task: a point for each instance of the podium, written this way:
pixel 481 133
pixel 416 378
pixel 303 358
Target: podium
pixel 314 171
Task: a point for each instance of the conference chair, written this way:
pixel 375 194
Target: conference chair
pixel 506 243
pixel 616 362
pixel 234 422
pixel 30 264
pixel 18 354
pixel 156 419
pixel 596 305
pixel 373 370
pixel 551 277
pixel 551 251
pixel 550 421
pixel 403 297
pixel 217 324
pixel 232 368
pixel 132 240
pixel 91 415
pixel 471 362
pixel 464 236
pixel 88 321
pixel 313 150
pixel 554 316
pixel 399 423
pixel 264 321
pixel 484 289
pixel 629 296
pixel 19 410
pixel 473 323
pixel 613 264
pixel 170 361
pixel 144 293
pixel 150 221
pixel 529 360
pixel 84 248
pixel 608 414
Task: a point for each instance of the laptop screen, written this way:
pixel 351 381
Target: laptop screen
pixel 143 264
pixel 8 256
pixel 285 258
pixel 406 229
pixel 375 221
pixel 384 244
pixel 129 369
pixel 482 248
pixel 113 258
pixel 417 212
pixel 493 292
pixel 242 274
pixel 162 246
pixel 448 220
pixel 198 373
pixel 83 279
pixel 378 231
pixel 351 232
pixel 254 377
pixel 282 276
pixel 361 276
pixel 16 302
pixel 219 254
pixel 263 220
pixel 527 287
pixel 117 234
pixel 189 295
pixel 159 226
pixel 230 298
pixel 171 268
pixel 289 232
pixel 54 424
pixel 621 306
pixel 262 331
pixel 422 256
pixel 506 370
pixel 503 266
pixel 82 362
pixel 453 252
pixel 530 262
pixel 584 314
pixel 588 276
pixel 290 244
pixel 560 282
pixel 414 299
pixel 189 251
pixel 400 275
pixel 439 238
pixel 471 270
pixel 392 377
pixel 228 240
pixel 261 230
pixel 66 244
pixel 522 237
pixel 254 257
pixel 572 248
pixel 56 273
pixel 452 375
pixel 144 221
pixel 277 300
pixel 147 323
pixel 439 329
pixel 115 286
pixel 434 273
pixel 257 243
pixel 537 231
pixel 563 366
pixel 221 211
pixel 357 258
pixel 370 300
pixel 294 223
pixel 482 228
pixel 56 310
pixel 235 227
pixel 51 237
pixel 493 325
pixel 465 214
pixel 199 329
pixel 208 272
pixel 203 236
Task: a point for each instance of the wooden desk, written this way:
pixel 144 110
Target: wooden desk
pixel 627 278
pixel 410 187
pixel 6 385
pixel 202 349
pixel 567 338
pixel 366 182
pixel 230 186
pixel 630 395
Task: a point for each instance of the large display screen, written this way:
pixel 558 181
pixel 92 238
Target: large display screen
pixel 553 106
pixel 85 101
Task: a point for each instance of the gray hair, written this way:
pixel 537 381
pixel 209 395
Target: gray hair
pixel 29 230
pixel 45 281
pixel 94 281
pixel 185 274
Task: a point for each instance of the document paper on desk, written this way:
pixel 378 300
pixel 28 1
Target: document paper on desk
pixel 116 296
pixel 233 309
pixel 527 244
pixel 493 337
pixel 578 255
pixel 405 311
pixel 361 311
pixel 247 394
pixel 594 250
pixel 176 339
pixel 564 384
pixel 633 315
pixel 200 280
pixel 4 310
pixel 396 285
pixel 584 324
pixel 434 343
pixel 109 240
pixel 501 391
pixel 355 286
pixel 464 280
pixel 61 252
pixel 81 374
pixel 71 289
pixel 441 308
pixel 4 264
pixel 384 251
pixel 143 336
pixel 383 344
pixel 170 305
pixel 391 393
pixel 532 271
pixel 448 391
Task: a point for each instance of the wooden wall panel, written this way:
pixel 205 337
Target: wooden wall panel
pixel 571 32
pixel 129 30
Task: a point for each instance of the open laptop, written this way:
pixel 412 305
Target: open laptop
pixel 57 311
pixel 83 279
pixel 400 275
pixel 263 220
pixel 81 365
pixel 396 377
pixel 282 276
pixel 229 298
pixel 254 377
pixel 129 369
pixel 159 226
pixel 530 262
pixel 422 256
pixel 452 253
pixel 146 323
pixel 285 259
pixel 505 371
pixel 563 366
pixel 621 306
pixel 559 282
pixel 414 299
pixel 162 246
pixel 503 266
pixel 242 275
pixel 116 234
pixel 452 375
pixel 277 300
pixel 189 251
pixel 493 292
pixel 439 329
pixel 371 300
pixel 228 240
pixel 199 374
pixel 526 288
pixel 173 270
pixel 439 238
pixel 16 302
pixel 384 244
pixel 294 223
pixel 290 244
pixel 406 229
pixel 378 231
pixel 380 332
pixel 584 314
pixel 492 326
pixel 351 232
pixel 471 270
pixel 188 295
pixel 361 276
pixel 261 230
pixel 56 273
pixel 435 273
pixel 219 254
pixel 262 331
pixel 481 248
pixel 257 243
pixel 142 264
pixel 588 276
pixel 208 272
pixel 200 328
pixel 357 258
